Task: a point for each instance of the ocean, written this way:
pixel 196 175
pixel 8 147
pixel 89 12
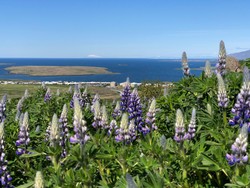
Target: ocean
pixel 138 70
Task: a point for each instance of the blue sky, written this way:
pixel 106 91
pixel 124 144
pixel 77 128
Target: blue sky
pixel 122 28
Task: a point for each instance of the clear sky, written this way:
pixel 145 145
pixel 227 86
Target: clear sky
pixel 122 28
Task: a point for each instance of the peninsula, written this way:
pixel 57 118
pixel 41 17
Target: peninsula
pixel 57 70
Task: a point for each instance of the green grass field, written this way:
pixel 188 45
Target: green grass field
pixel 17 90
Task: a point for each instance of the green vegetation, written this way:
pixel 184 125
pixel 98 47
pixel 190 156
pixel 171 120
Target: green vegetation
pixel 151 160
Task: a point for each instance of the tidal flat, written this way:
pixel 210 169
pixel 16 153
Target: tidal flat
pixel 57 70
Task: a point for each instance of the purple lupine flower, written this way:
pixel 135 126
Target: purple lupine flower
pixel 104 118
pixel 185 68
pixel 80 128
pixel 76 95
pixel 191 127
pixel 96 98
pixel 150 120
pixel 23 136
pixel 48 95
pixel 239 148
pixel 241 109
pixel 135 110
pixel 125 97
pixel 112 127
pixel 19 108
pixel 3 108
pixel 64 132
pixel 97 114
pixel 117 111
pixel 179 127
pixel 222 93
pixel 221 65
pixel 4 174
pixel 85 98
pixel 126 133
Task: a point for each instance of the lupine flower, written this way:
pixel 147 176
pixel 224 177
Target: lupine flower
pixel 165 91
pixel 57 92
pixel 23 136
pixel 76 95
pixel 208 71
pixel 104 119
pixel 85 97
pixel 26 94
pixel 221 65
pixel 241 109
pixel 185 68
pixel 97 115
pixel 19 108
pixel 44 86
pixel 63 130
pixel 191 127
pixel 126 132
pixel 39 182
pixel 179 127
pixel 54 134
pixel 48 95
pixel 117 111
pixel 150 120
pixel 135 110
pixel 80 128
pixel 96 98
pixel 3 108
pixel 239 148
pixel 125 97
pixel 112 127
pixel 70 89
pixel 222 93
pixel 4 174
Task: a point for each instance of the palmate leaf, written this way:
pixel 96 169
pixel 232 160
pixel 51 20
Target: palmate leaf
pixel 26 185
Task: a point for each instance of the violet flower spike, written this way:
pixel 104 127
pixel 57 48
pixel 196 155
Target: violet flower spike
pixel 3 108
pixel 97 115
pixel 23 136
pixel 76 95
pixel 241 109
pixel 4 174
pixel 64 131
pixel 239 148
pixel 19 108
pixel 96 98
pixel 117 111
pixel 185 68
pixel 112 127
pixel 48 95
pixel 221 65
pixel 135 110
pixel 191 127
pixel 222 93
pixel 179 127
pixel 125 97
pixel 80 128
pixel 150 120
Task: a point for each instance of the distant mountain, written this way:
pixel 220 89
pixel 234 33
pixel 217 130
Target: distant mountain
pixel 241 55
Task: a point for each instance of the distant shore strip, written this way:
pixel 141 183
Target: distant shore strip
pixel 57 70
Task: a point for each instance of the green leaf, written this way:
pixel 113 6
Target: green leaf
pixel 29 184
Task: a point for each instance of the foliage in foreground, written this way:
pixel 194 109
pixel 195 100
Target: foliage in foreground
pixel 151 160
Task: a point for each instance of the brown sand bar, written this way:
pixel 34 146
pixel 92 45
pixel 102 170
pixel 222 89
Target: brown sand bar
pixel 57 70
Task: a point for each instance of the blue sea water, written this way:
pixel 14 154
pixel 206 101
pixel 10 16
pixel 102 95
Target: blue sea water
pixel 138 70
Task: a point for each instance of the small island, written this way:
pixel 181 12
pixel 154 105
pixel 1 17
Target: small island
pixel 57 70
